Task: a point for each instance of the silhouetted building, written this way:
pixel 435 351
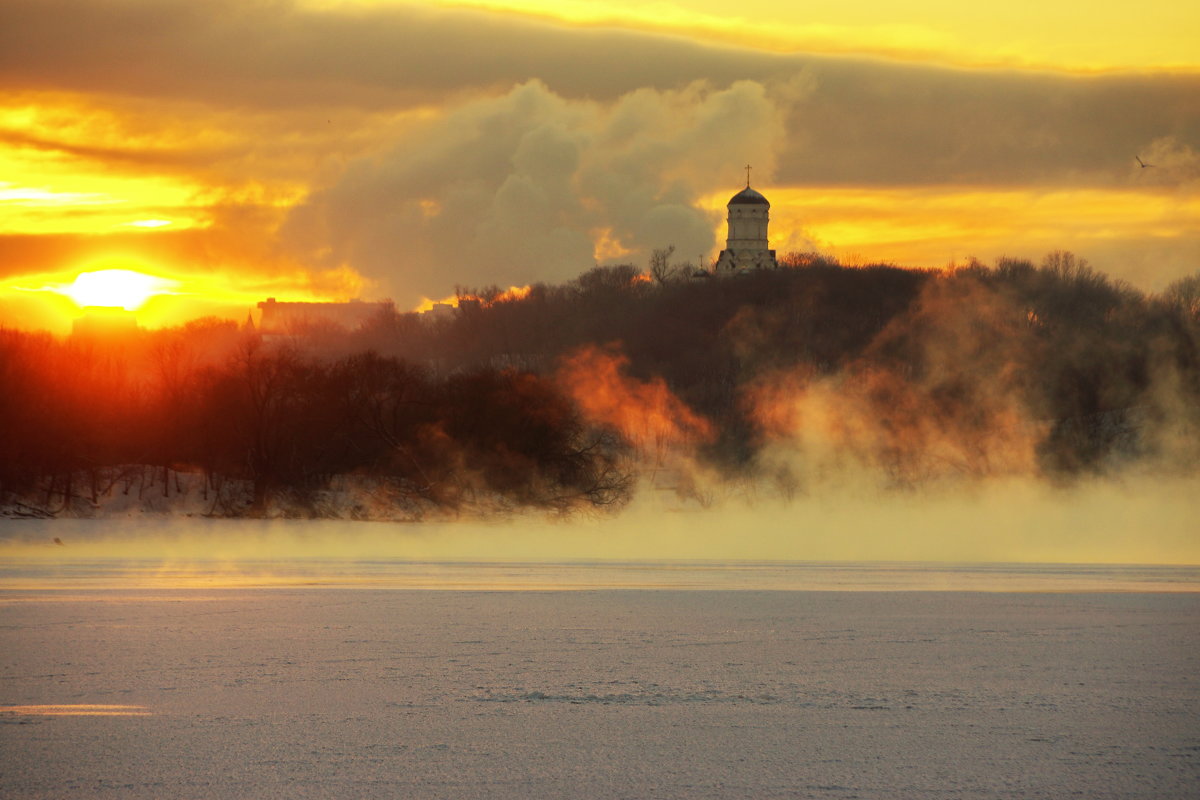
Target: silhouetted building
pixel 282 318
pixel 438 312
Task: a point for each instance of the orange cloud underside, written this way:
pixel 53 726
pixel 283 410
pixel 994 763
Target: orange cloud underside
pixel 68 168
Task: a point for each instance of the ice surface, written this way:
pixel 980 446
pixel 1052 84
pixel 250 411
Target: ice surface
pixel 360 692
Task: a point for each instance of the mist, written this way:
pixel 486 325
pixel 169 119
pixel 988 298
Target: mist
pixel 1012 413
pixel 1133 521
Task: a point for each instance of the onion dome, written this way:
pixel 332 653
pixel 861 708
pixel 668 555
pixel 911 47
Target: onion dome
pixel 748 197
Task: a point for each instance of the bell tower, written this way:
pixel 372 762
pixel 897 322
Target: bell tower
pixel 746 245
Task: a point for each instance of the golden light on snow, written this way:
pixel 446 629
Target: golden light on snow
pixel 76 710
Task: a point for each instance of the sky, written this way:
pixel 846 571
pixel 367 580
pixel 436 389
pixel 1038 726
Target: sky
pixel 334 149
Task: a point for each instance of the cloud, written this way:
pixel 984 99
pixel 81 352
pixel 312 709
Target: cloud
pixel 1170 162
pixel 519 188
pixel 867 121
pixel 880 123
pixel 273 53
pixel 445 146
pixel 1145 232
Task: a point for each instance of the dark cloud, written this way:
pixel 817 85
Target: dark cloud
pixel 889 123
pixel 136 157
pixel 272 53
pixel 866 121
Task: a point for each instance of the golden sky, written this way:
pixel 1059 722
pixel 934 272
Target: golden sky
pixel 328 149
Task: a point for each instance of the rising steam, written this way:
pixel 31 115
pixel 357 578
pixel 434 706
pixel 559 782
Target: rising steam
pixel 905 413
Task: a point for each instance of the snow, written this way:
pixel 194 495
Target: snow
pixel 134 491
pixel 362 692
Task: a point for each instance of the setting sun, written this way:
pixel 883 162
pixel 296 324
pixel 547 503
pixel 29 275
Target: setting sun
pixel 116 287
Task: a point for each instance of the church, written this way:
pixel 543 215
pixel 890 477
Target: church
pixel 746 246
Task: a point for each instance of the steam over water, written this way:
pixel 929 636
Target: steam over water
pixel 175 658
pixel 139 574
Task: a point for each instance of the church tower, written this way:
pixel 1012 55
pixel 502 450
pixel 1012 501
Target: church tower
pixel 746 246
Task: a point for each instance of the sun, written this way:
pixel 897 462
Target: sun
pixel 115 288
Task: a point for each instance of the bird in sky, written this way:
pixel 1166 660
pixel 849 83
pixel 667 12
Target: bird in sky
pixel 1141 163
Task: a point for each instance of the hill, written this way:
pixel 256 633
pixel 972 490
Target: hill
pixel 571 396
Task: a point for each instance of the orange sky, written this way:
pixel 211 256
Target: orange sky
pixel 330 149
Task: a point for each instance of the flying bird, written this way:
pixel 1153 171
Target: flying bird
pixel 1141 163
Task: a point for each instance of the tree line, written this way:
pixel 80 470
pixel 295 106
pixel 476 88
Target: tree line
pixel 475 410
pixel 284 426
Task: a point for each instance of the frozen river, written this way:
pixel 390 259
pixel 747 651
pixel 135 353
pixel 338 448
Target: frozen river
pixel 702 687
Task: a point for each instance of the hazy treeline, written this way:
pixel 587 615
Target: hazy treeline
pixel 265 423
pixel 1051 369
pixel 561 396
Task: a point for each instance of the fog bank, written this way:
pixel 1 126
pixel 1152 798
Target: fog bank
pixel 1126 521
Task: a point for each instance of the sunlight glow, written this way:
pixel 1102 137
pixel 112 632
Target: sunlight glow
pixel 607 246
pixel 11 194
pixel 72 168
pixel 162 295
pixel 62 196
pixel 113 288
pixel 511 293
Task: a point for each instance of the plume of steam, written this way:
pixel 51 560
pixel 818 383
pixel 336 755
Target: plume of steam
pixel 646 413
pixel 940 394
pixel 531 186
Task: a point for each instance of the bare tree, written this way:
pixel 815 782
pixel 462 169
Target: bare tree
pixel 660 265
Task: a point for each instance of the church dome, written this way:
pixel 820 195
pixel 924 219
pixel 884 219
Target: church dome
pixel 748 197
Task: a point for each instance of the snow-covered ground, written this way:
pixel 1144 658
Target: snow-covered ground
pixel 361 692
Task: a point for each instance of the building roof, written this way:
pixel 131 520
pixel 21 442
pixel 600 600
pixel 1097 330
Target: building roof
pixel 748 197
